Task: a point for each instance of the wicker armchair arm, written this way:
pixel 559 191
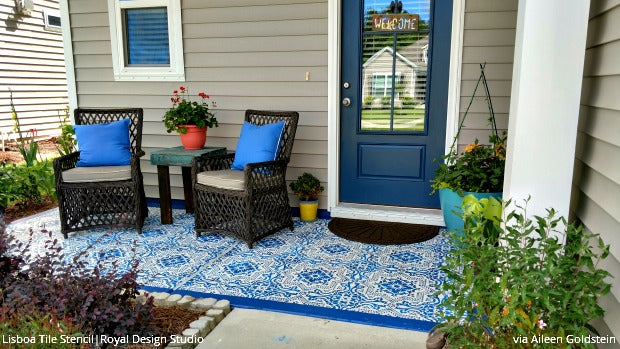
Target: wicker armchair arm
pixel 66 162
pixel 134 163
pixel 207 162
pixel 139 154
pixel 265 175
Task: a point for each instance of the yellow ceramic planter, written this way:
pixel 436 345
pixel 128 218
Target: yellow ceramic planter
pixel 308 209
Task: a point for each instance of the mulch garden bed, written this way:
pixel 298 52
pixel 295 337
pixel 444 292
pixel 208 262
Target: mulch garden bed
pixel 169 321
pixel 47 148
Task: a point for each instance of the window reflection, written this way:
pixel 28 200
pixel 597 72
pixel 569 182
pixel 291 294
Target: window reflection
pixel 394 70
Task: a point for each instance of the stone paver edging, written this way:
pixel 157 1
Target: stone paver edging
pixel 214 312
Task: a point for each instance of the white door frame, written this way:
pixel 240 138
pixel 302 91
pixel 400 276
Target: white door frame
pixel 379 212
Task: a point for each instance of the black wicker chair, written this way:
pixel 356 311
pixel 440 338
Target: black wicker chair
pixel 109 196
pixel 249 204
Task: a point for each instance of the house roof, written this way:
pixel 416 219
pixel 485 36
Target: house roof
pixel 391 52
pixel 412 55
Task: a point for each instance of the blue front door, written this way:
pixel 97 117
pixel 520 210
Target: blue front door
pixel 394 90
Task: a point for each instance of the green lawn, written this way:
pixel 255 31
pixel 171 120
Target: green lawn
pixel 404 119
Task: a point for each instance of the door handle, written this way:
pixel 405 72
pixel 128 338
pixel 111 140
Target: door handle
pixel 346 102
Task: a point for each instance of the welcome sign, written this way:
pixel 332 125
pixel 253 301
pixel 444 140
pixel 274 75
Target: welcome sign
pixel 395 22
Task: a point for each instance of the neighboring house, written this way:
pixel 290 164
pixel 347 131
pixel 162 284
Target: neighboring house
pixel 304 56
pixel 410 75
pixel 32 65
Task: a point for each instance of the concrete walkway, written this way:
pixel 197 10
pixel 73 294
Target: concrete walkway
pixel 257 329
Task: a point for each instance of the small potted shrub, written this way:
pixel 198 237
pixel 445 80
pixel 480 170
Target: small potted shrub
pixel 190 118
pixel 307 187
pixel 520 282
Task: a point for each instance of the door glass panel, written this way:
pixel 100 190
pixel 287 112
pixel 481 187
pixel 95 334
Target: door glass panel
pixel 395 48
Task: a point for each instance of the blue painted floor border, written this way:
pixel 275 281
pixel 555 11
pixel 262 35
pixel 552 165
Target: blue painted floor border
pixel 308 310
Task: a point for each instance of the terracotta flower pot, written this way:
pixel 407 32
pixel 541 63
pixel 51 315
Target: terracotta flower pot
pixel 195 137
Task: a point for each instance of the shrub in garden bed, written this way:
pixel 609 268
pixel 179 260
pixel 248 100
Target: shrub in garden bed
pixel 511 282
pixel 28 183
pixel 100 303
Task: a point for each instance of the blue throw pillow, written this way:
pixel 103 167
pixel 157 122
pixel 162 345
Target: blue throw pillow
pixel 257 144
pixel 103 144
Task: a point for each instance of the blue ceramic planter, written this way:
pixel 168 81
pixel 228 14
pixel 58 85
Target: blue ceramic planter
pixel 451 202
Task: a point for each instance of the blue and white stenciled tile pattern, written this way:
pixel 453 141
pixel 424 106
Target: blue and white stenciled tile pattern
pixel 308 266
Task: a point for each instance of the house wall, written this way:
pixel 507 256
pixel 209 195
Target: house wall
pixel 32 64
pixel 255 54
pixel 597 159
pixel 245 54
pixel 488 36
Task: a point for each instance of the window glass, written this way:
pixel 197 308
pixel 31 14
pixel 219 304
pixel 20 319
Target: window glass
pixel 146 32
pixel 394 55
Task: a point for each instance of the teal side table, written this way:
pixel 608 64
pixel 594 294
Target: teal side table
pixel 177 156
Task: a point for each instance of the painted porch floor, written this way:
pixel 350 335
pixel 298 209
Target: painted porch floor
pixel 308 271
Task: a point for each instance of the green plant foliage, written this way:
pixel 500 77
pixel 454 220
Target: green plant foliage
pixel 386 101
pixel 408 102
pixel 186 112
pixel 368 102
pixel 508 284
pixel 307 187
pixel 22 184
pixel 28 150
pixel 66 140
pixel 44 329
pixel 479 167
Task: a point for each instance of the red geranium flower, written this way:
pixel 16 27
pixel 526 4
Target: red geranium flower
pixel 175 92
pixel 182 88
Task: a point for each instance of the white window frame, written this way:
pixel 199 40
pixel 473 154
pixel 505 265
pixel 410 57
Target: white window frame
pixel 46 20
pixel 123 72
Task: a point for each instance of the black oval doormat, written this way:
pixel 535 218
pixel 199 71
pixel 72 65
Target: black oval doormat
pixel 384 233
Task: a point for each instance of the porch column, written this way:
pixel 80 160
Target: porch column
pixel 544 106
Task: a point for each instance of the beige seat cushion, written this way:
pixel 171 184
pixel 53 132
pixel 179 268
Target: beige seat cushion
pixel 225 179
pixel 97 174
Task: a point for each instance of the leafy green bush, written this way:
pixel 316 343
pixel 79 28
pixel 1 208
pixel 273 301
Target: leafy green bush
pixel 368 102
pixel 66 140
pixel 479 168
pixel 22 184
pixel 386 102
pixel 508 282
pixel 307 187
pixel 408 102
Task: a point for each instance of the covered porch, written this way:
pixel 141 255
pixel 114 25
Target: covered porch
pixel 308 271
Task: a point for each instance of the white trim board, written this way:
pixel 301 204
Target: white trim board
pixel 410 215
pixel 376 212
pixel 65 26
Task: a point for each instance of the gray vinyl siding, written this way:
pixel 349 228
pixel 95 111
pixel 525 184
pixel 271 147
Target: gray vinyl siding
pixel 488 36
pixel 247 54
pixel 597 160
pixel 32 65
